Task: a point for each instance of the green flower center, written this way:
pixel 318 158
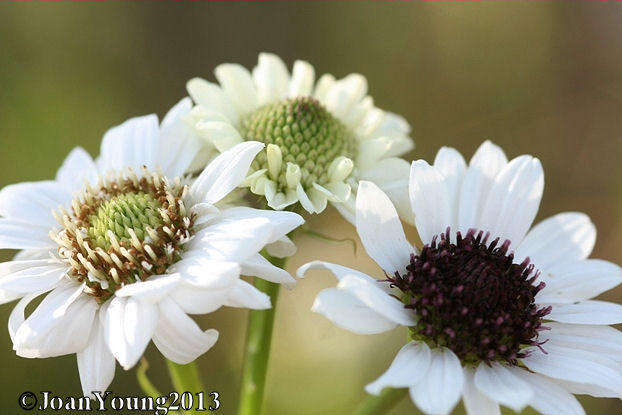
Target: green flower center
pixel 134 210
pixel 307 134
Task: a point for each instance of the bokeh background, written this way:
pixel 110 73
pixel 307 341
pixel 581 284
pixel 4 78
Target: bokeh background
pixel 538 78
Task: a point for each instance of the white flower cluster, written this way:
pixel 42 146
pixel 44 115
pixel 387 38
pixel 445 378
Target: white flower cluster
pixel 126 247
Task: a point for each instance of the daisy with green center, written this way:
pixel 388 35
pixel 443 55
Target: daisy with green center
pixel 125 248
pixel 321 137
pixel 497 314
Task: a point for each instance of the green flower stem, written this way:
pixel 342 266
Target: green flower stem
pixel 185 378
pixel 257 347
pixel 143 380
pixel 145 383
pixel 381 404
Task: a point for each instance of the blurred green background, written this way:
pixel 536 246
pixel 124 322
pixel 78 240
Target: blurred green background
pixel 538 78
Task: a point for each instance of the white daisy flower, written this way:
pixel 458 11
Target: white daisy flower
pixel 497 314
pixel 321 137
pixel 126 249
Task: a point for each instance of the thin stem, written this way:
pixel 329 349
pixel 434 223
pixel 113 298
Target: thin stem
pixel 143 380
pixel 326 238
pixel 257 347
pixel 146 385
pixel 381 404
pixel 185 378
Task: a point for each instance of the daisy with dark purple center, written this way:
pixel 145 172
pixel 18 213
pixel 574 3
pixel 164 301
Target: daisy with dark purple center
pixel 497 313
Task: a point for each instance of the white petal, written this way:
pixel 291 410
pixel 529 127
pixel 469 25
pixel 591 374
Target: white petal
pixel 32 254
pixel 221 134
pixel 486 163
pixel 244 295
pixel 233 240
pixel 475 402
pixel 258 266
pixel 587 312
pixel 281 248
pixel 178 337
pixel 29 277
pixel 131 144
pixel 211 97
pixel 513 200
pixel 281 222
pixel 578 280
pixel 23 264
pixel 129 325
pixel 392 124
pixel 178 142
pixel 237 83
pixel 549 398
pixel 271 78
pixel 450 163
pixel 204 212
pixel 372 294
pixel 380 229
pixel 440 389
pixel 202 272
pixel 224 173
pixel 59 325
pixel 503 384
pixel 562 237
pixel 318 199
pixel 77 169
pixel 301 83
pixel 21 235
pixel 339 271
pixel 304 200
pixel 280 200
pixel 575 365
pixel 96 364
pixel 199 300
pixel 391 176
pixel 322 86
pixel 348 312
pixel 328 195
pixel 205 284
pixel 33 203
pixel 347 209
pixel 586 389
pixel 429 198
pixel 17 317
pixel 152 290
pixel 345 93
pixel 408 367
pixel 387 171
pixel 372 151
pixel 604 340
pixel 340 190
pixel 177 112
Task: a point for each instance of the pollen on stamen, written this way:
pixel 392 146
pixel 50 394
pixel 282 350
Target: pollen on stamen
pixel 470 297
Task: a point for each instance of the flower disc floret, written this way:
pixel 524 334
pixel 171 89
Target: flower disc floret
pixel 123 230
pixel 307 135
pixel 471 297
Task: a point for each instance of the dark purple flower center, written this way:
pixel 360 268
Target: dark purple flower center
pixel 472 298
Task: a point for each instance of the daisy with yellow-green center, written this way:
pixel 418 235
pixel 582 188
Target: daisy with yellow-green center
pixel 321 137
pixel 124 248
